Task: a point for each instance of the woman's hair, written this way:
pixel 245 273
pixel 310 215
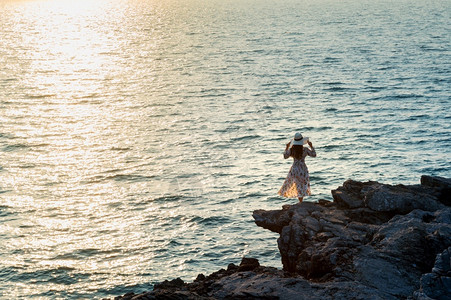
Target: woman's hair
pixel 297 151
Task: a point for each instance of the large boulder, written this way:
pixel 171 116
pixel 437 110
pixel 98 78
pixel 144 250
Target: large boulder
pixel 441 185
pixel 401 199
pixel 396 199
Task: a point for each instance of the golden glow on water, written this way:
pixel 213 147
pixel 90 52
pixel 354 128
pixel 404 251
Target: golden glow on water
pixel 65 49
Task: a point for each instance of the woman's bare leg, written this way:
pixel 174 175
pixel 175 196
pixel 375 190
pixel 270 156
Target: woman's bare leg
pixel 300 199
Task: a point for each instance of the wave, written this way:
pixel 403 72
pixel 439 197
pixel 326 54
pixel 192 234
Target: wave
pixel 330 147
pixel 130 178
pixel 251 195
pixel 124 288
pixel 6 136
pixel 213 220
pixel 15 147
pixel 21 146
pixel 39 96
pixel 428 48
pixel 59 275
pixel 82 254
pixel 330 60
pixel 120 148
pixel 317 128
pixel 171 198
pixel 120 178
pixel 330 109
pixel 245 137
pixel 4 210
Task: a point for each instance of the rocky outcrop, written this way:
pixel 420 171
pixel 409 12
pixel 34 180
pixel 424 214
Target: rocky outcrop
pixel 374 241
pixel 263 283
pixel 379 236
pixel 249 280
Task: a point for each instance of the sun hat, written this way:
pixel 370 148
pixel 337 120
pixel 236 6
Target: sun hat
pixel 299 139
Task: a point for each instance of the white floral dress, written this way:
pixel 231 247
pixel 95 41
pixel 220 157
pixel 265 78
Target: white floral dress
pixel 297 183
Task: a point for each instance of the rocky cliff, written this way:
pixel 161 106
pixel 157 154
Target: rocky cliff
pixel 374 241
pixel 375 237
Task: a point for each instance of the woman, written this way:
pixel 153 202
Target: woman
pixel 297 183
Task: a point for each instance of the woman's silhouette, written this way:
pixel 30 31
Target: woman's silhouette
pixel 297 183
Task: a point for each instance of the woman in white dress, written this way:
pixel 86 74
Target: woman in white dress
pixel 297 183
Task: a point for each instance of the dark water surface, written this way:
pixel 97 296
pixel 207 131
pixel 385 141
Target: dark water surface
pixel 137 137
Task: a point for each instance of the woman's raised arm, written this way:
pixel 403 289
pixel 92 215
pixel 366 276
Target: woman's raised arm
pixel 311 152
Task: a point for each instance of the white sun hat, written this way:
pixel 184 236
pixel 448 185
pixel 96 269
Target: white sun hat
pixel 299 139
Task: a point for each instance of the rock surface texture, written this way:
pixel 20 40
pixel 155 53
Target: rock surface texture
pixel 374 241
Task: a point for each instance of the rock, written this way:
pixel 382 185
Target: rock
pixel 200 277
pixel 401 199
pixel 175 283
pixel 127 296
pixel 324 202
pixel 437 284
pixel 264 283
pixel 399 252
pixel 349 195
pixel 273 220
pixel 248 264
pixel 369 216
pixel 435 181
pixel 380 236
pixel 442 185
pixel 251 285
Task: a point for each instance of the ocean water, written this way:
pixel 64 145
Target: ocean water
pixel 137 137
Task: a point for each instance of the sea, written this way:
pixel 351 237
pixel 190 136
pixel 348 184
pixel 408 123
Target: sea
pixel 138 136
